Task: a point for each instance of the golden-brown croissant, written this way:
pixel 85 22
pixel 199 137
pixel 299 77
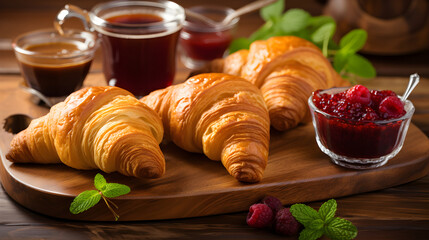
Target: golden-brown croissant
pixel 221 115
pixel 287 69
pixel 104 128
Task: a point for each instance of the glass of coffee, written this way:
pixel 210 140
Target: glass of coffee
pixel 52 64
pixel 138 39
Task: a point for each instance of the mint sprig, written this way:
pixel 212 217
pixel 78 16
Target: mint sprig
pixel 322 222
pixel 89 198
pixel 317 29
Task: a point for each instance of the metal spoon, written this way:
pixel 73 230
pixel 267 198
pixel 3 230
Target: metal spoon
pixel 243 10
pixel 201 17
pixel 246 9
pixel 414 80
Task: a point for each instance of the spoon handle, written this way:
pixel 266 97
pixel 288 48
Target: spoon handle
pixel 246 9
pixel 414 80
pixel 200 17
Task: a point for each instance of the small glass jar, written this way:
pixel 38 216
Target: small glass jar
pixel 201 42
pixel 359 144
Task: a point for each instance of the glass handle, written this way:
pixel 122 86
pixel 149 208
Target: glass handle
pixel 72 11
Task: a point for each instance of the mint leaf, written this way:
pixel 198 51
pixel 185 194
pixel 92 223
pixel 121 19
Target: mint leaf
pixel 238 44
pixel 360 66
pixel 324 32
pixel 304 214
pixel 89 198
pixel 263 31
pixel 84 201
pixel 115 190
pixel 353 41
pixel 340 61
pixel 99 181
pixel 316 224
pixel 327 210
pixel 294 20
pixel 340 229
pixel 318 21
pixel 309 234
pixel 272 11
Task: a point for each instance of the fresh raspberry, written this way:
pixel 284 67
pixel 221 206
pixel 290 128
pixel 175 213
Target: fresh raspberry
pixel 378 96
pixel 285 223
pixel 259 216
pixel 369 115
pixel 359 94
pixel 392 107
pixel 274 203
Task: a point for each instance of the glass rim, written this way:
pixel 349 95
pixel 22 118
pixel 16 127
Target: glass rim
pixel 407 115
pixel 68 33
pixel 174 23
pixel 206 28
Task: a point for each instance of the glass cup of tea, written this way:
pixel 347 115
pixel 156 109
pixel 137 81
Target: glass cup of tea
pixel 52 64
pixel 202 41
pixel 138 40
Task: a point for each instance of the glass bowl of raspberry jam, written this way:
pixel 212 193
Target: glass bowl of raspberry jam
pixel 360 128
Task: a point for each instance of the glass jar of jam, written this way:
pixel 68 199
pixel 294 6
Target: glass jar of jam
pixel 360 128
pixel 201 42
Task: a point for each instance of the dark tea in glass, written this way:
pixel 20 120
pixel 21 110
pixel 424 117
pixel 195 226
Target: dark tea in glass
pixel 139 42
pixel 140 65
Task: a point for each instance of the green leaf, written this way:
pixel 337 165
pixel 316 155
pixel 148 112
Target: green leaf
pixel 304 214
pixel 353 41
pixel 340 229
pixel 263 31
pixel 323 33
pixel 85 201
pixel 327 210
pixel 309 234
pixel 316 224
pixel 115 190
pixel 360 66
pixel 99 181
pixel 340 61
pixel 273 11
pixel 294 20
pixel 320 20
pixel 238 44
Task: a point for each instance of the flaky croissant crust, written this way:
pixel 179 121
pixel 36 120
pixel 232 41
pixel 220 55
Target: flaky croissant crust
pixel 221 115
pixel 103 128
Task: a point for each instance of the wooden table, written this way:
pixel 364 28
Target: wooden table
pixel 399 212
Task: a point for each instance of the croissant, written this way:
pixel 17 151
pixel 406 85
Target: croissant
pixel 104 128
pixel 221 115
pixel 287 69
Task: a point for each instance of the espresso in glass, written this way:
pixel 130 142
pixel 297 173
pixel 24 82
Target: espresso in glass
pixel 50 78
pixel 55 65
pixel 139 42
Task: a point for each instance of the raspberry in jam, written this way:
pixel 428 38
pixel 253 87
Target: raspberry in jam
pixel 359 125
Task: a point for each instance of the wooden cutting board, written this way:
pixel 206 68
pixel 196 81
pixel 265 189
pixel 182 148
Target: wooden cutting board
pixel 193 185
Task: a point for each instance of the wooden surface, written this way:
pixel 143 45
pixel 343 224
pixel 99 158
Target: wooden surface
pixel 297 171
pixel 399 212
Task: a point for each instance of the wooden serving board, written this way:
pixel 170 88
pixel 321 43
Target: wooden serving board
pixel 193 185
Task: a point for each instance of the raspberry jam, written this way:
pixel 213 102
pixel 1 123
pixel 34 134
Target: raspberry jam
pixel 358 125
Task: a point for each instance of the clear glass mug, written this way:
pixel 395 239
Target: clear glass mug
pixel 138 40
